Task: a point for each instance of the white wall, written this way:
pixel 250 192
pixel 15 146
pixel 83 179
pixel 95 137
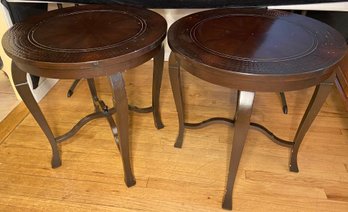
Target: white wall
pixel 337 6
pixel 44 85
pixel 5 24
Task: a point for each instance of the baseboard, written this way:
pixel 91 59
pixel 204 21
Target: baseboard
pixel 45 85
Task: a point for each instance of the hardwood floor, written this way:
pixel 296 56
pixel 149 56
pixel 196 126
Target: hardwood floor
pixel 12 120
pixel 170 179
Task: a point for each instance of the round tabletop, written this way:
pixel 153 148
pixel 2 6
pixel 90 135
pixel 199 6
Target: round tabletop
pixel 85 41
pixel 256 49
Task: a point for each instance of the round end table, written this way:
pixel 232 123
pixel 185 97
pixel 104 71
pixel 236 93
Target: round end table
pixel 254 50
pixel 87 42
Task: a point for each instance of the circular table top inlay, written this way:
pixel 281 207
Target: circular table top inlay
pixel 88 34
pixel 80 32
pixel 262 39
pixel 256 41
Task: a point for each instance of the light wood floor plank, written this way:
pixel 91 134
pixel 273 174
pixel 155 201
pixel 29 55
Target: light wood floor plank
pixel 11 121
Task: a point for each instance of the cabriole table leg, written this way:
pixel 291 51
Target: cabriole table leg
pixel 121 104
pixel 318 98
pixel 20 81
pixel 158 62
pixel 175 81
pixel 242 123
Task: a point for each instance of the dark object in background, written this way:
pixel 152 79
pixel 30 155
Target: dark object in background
pixel 197 3
pixel 338 20
pixel 20 11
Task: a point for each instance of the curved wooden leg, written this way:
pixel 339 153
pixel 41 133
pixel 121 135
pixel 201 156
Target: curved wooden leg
pixel 72 87
pixel 20 81
pixel 93 90
pixel 156 87
pixel 242 123
pixel 284 104
pixel 318 98
pixel 121 104
pixel 174 75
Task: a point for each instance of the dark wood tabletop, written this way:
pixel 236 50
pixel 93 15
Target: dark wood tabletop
pixel 256 49
pixel 88 40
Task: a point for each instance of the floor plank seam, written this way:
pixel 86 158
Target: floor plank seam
pixel 14 112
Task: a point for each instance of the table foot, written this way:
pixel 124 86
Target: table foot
pixel 293 167
pixel 130 182
pixel 72 88
pixel 158 62
pixel 179 139
pixel 227 202
pixel 284 104
pixel 175 81
pixel 56 162
pixel 121 104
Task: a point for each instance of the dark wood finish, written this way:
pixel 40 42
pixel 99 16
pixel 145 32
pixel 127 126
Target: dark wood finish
pixel 254 50
pixel 121 104
pixel 94 95
pixel 87 42
pixel 319 96
pixel 245 102
pixel 264 50
pixel 91 41
pixel 158 63
pixel 284 104
pixel 175 81
pixel 20 80
pixel 337 20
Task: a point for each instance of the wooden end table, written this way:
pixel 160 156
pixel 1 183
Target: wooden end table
pixel 254 50
pixel 88 42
